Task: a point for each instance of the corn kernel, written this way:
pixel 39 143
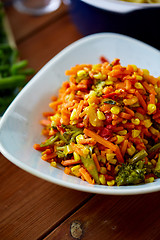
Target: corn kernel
pixel 153 161
pixel 116 170
pixel 112 78
pixel 119 139
pixel 79 137
pixel 124 121
pixel 110 156
pixel 131 150
pixel 138 85
pixel 81 73
pixel 98 75
pixel 103 170
pixel 139 116
pixel 53 164
pixel 147 123
pixel 151 108
pixel 76 156
pixel 112 161
pixel 123 132
pixel 134 67
pixel 100 115
pixel 75 170
pixel 135 121
pixel 115 110
pixel 154 131
pixel 138 77
pixel 73 114
pixel 145 72
pixel 149 180
pixel 111 183
pixel 135 133
pixel 101 159
pixel 102 179
pixel 109 82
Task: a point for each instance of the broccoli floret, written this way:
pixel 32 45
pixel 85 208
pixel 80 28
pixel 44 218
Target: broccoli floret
pixel 131 174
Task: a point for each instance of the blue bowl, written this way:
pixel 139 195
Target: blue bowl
pixel 136 20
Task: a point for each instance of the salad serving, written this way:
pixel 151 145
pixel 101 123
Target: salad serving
pixel 104 126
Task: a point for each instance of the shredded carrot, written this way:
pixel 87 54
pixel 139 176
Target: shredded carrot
pixel 141 100
pixel 100 140
pixel 86 175
pixel 70 162
pixel 124 147
pixel 96 161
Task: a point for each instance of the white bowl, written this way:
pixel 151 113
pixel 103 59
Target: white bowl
pixel 20 128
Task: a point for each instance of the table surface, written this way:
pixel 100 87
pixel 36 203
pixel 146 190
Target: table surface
pixel 31 208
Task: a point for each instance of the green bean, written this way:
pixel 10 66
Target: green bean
pixel 12 81
pixel 139 156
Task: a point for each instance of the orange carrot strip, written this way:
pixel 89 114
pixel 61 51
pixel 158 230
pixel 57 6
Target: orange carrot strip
pixel 76 149
pixel 67 170
pixel 100 139
pixel 70 162
pixel 125 115
pixel 119 155
pixel 141 100
pixel 87 141
pixel 96 161
pixel 45 122
pixel 128 84
pixel 86 175
pixel 124 147
pixel 128 110
pixel 152 99
pixel 47 157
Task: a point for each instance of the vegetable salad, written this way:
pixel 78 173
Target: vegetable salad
pixel 104 126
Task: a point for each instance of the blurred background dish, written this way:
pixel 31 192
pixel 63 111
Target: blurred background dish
pixel 138 20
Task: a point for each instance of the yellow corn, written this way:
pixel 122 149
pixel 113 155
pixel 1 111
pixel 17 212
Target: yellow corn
pixel 76 156
pixel 98 75
pixel 138 85
pixel 139 116
pixel 138 77
pixel 123 132
pixel 103 170
pixel 134 67
pixel 112 78
pixel 131 150
pixel 102 179
pixel 116 170
pixel 79 137
pixel 100 115
pixel 154 131
pixel 111 183
pixel 115 110
pixel 81 73
pixel 110 156
pixel 124 121
pixel 73 114
pixel 151 108
pixel 136 121
pixel 109 82
pixel 145 72
pixel 75 170
pixel 53 164
pixel 101 159
pixel 153 161
pixel 149 180
pixel 119 139
pixel 135 133
pixel 112 161
pixel 147 123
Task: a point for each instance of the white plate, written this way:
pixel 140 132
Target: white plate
pixel 20 129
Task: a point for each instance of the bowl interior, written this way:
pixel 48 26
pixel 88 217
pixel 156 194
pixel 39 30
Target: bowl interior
pixel 20 128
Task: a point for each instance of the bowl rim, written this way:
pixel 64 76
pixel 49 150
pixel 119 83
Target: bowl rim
pixel 97 189
pixel 120 6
